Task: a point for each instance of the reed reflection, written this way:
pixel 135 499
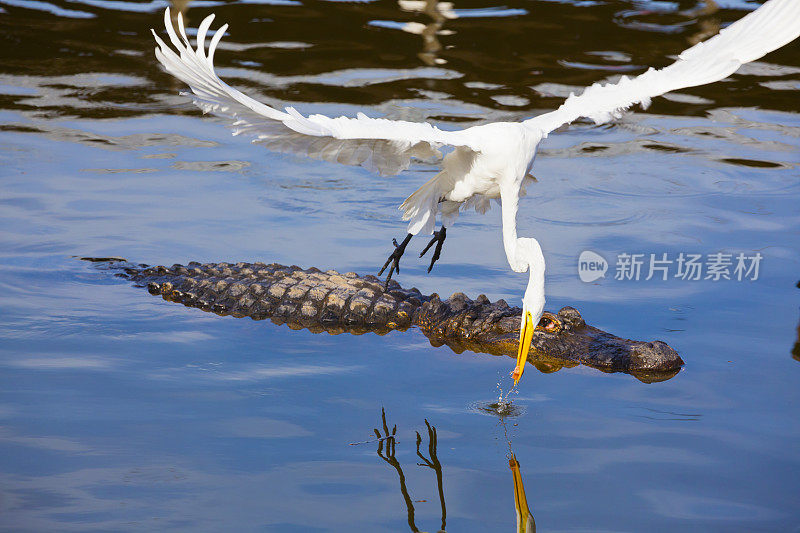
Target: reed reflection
pixel 432 461
pixel 387 443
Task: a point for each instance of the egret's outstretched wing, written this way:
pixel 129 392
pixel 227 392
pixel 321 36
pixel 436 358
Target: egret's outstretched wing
pixel 769 27
pixel 383 145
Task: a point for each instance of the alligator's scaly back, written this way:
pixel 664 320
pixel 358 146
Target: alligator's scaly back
pixel 319 301
pixel 337 303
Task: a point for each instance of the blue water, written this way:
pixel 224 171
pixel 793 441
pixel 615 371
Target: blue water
pixel 120 411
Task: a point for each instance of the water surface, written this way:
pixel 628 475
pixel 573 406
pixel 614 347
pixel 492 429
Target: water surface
pixel 120 411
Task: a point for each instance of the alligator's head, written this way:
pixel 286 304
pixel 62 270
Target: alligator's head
pixel 558 340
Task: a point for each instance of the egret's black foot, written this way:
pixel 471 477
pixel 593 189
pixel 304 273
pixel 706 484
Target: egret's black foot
pixel 438 238
pixel 394 259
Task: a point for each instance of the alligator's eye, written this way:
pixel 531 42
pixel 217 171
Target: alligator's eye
pixel 549 323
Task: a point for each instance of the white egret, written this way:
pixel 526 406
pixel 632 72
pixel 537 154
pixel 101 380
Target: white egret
pixel 487 162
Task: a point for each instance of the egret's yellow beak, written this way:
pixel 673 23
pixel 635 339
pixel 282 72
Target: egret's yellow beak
pixel 525 335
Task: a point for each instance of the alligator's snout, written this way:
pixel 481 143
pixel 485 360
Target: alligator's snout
pixel 654 356
pixel 566 335
pixel 648 361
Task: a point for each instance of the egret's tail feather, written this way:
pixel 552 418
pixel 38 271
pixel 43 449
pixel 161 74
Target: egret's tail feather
pixel 421 207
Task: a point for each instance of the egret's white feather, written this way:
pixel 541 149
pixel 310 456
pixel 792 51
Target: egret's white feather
pixel 387 146
pixel 769 27
pixel 489 161
pixel 471 173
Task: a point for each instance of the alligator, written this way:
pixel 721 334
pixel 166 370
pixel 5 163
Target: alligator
pixel 337 303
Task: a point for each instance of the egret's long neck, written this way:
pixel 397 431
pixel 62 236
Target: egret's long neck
pixel 519 156
pixel 534 293
pixel 509 197
pixel 523 257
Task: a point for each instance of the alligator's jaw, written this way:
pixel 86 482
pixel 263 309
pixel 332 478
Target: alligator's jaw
pixel 648 361
pixel 572 342
pixel 337 303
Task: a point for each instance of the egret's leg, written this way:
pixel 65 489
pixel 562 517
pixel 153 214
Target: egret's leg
pixel 394 258
pixel 438 238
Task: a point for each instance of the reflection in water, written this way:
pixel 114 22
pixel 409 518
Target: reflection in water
pixel 433 463
pixel 706 26
pixel 796 349
pixel 525 522
pixel 439 12
pixel 662 21
pixel 386 450
pixel 180 8
pixel 430 462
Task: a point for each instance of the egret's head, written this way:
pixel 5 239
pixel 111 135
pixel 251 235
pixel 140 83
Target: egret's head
pixel 529 254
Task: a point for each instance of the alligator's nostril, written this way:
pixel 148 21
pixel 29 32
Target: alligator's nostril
pixel 571 316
